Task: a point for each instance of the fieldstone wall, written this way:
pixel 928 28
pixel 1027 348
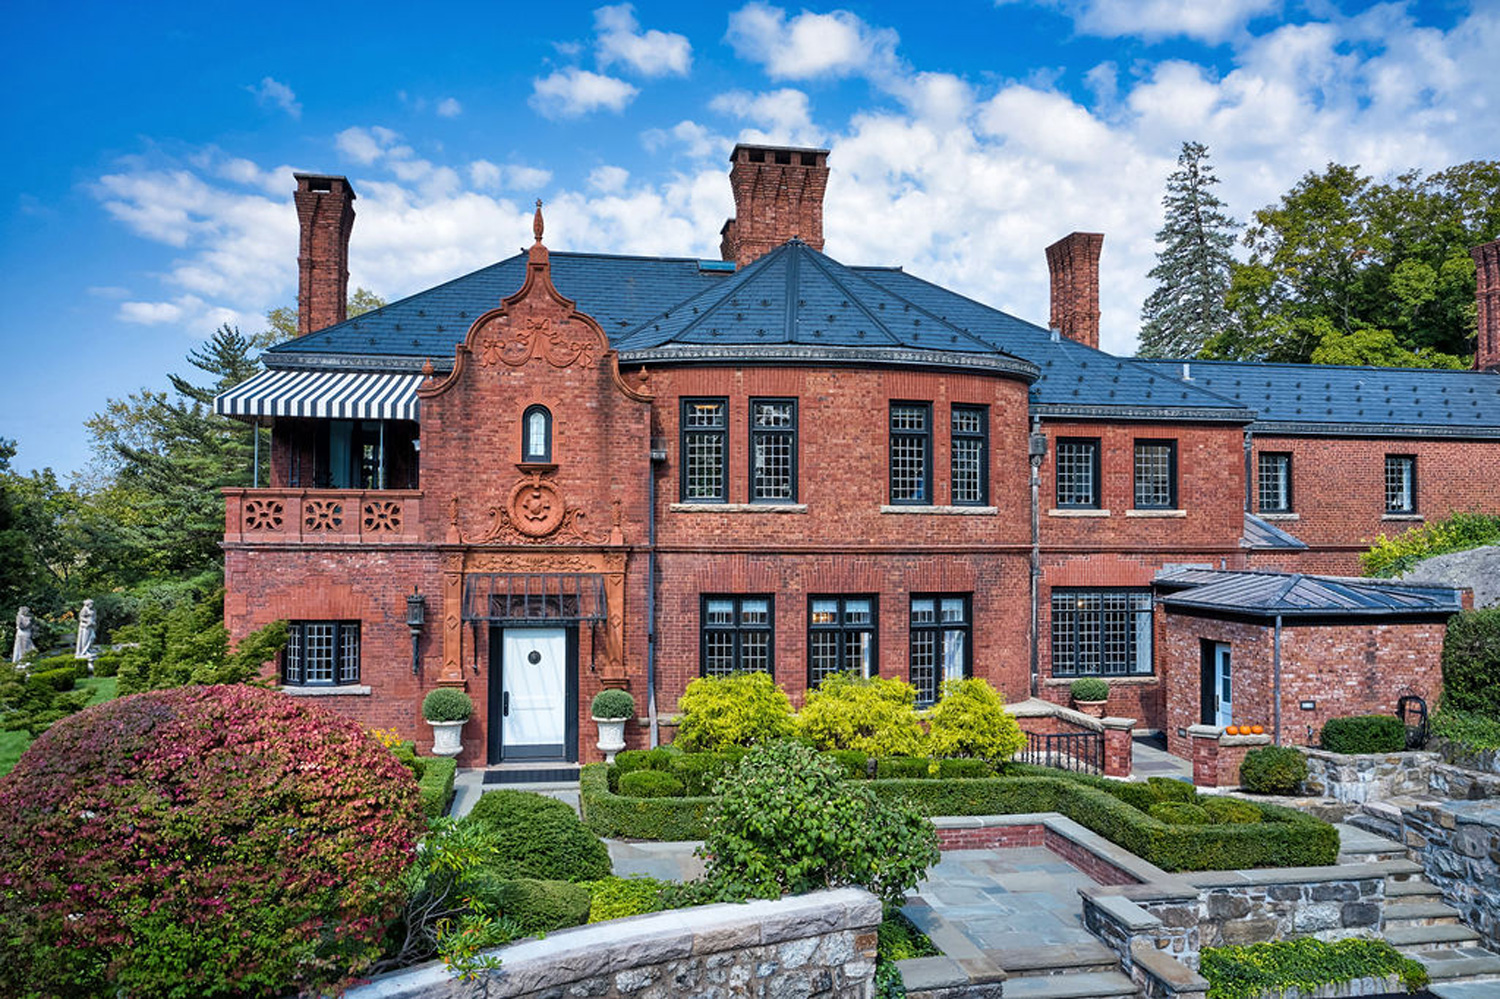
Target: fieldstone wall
pixel 1359 777
pixel 817 946
pixel 1458 845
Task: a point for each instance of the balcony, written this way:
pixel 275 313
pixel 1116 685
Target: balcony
pixel 322 516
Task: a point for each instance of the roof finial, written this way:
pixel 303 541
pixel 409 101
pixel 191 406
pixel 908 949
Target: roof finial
pixel 536 221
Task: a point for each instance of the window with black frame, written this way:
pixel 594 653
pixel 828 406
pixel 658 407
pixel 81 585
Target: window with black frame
pixel 911 452
pixel 321 653
pixel 840 637
pixel 737 635
pixel 970 456
pixel 705 450
pixel 1101 633
pixel 536 434
pixel 773 450
pixel 940 642
pixel 1155 475
pixel 1077 472
pixel 1400 483
pixel 1274 482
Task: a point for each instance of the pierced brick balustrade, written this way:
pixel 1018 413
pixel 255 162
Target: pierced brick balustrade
pixel 322 515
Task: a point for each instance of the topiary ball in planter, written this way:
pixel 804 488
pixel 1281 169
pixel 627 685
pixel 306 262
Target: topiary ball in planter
pixel 612 704
pixel 1089 688
pixel 446 704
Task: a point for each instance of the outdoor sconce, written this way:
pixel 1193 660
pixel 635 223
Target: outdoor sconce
pixel 416 616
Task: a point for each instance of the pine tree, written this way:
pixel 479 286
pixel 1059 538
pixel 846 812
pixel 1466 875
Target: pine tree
pixel 1193 265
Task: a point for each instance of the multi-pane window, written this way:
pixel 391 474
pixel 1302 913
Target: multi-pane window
pixel 705 450
pixel 1155 475
pixel 970 456
pixel 1400 483
pixel 773 450
pixel 536 434
pixel 321 653
pixel 737 635
pixel 840 637
pixel 911 452
pixel 1101 632
pixel 1275 482
pixel 1078 472
pixel 940 642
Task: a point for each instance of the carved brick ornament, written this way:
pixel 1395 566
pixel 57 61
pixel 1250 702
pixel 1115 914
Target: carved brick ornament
pixel 382 516
pixel 536 507
pixel 558 341
pixel 323 515
pixel 264 515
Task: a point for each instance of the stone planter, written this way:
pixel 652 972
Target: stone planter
pixel 1094 709
pixel 611 736
pixel 447 738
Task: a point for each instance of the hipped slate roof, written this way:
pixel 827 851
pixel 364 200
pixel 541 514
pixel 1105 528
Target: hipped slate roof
pixel 1292 595
pixel 1325 398
pixel 1260 534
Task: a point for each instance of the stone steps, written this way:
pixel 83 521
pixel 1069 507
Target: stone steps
pixel 1059 959
pixel 1419 912
pixel 1410 939
pixel 1412 889
pixel 1093 985
pixel 1359 845
pixel 1458 964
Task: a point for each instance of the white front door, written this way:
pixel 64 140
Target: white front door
pixel 1222 706
pixel 534 702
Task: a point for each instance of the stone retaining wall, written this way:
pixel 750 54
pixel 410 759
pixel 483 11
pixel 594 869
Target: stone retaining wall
pixel 1458 845
pixel 1360 777
pixel 817 946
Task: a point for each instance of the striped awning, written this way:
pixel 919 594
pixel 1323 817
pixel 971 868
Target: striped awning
pixel 329 395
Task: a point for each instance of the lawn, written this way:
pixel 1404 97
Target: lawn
pixel 13 744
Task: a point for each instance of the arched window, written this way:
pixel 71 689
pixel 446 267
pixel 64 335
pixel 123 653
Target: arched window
pixel 536 434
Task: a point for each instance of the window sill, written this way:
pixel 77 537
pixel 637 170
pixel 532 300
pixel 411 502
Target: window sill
pixel 1076 512
pixel 347 690
pixel 943 511
pixel 1279 516
pixel 1168 514
pixel 738 508
pixel 1113 681
pixel 1403 516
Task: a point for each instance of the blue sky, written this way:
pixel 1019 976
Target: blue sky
pixel 146 196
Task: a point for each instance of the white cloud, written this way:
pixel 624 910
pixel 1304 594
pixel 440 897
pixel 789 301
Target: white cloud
pixel 652 53
pixel 1210 21
pixel 271 91
pixel 810 45
pixel 696 141
pixel 449 107
pixel 608 179
pixel 487 176
pixel 572 92
pixel 365 145
pixel 778 116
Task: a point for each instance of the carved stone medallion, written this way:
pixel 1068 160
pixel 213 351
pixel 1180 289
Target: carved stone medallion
pixel 536 507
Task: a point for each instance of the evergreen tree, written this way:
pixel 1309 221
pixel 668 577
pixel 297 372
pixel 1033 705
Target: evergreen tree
pixel 1193 265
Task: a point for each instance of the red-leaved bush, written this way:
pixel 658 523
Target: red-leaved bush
pixel 200 841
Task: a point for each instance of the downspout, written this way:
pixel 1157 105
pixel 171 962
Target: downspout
pixel 651 593
pixel 1249 479
pixel 1276 685
pixel 1036 451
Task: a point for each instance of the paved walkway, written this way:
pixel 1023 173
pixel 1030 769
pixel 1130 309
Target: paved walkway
pixel 1149 758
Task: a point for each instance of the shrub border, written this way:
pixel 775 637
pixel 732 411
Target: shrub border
pixel 436 784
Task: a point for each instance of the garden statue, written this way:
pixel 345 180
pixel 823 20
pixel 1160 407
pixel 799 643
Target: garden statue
pixel 24 645
pixel 86 621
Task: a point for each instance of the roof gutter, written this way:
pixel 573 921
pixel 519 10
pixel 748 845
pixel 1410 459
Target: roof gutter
pixel 807 354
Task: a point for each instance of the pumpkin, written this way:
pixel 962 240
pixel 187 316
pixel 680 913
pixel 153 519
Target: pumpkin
pixel 1257 729
pixel 1232 730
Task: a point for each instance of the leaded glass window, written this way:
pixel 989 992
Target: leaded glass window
pixel 322 653
pixel 705 450
pixel 911 452
pixel 1400 483
pixel 773 451
pixel 840 637
pixel 1275 482
pixel 970 456
pixel 1078 472
pixel 737 635
pixel 1155 475
pixel 1101 633
pixel 940 642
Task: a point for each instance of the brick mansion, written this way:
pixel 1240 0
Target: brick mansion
pixel 566 472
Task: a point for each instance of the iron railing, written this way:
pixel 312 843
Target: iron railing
pixel 1078 751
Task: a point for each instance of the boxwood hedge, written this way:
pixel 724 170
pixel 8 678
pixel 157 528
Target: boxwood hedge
pixel 1283 838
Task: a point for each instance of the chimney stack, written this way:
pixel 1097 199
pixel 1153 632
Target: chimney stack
pixel 778 194
pixel 1074 264
pixel 1487 306
pixel 325 210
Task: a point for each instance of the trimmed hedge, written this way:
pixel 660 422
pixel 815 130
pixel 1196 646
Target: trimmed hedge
pixel 1223 810
pixel 1284 838
pixel 537 906
pixel 1273 770
pixel 1471 662
pixel 1178 813
pixel 436 784
pixel 650 784
pixel 616 897
pixel 539 837
pixel 1364 734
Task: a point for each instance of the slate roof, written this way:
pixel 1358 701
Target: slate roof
pixel 1261 535
pixel 1268 594
pixel 1326 398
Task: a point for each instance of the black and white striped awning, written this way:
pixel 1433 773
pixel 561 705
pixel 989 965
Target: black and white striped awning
pixel 329 395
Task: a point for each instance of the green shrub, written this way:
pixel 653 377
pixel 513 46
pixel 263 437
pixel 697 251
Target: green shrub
pixel 447 704
pixel 613 704
pixel 64 678
pixel 741 709
pixel 1230 810
pixel 1171 789
pixel 537 905
pixel 906 768
pixel 698 772
pixel 1467 728
pixel 435 783
pixel 1471 662
pixel 180 640
pixel 1089 688
pixel 877 716
pixel 650 784
pixel 108 663
pixel 856 765
pixel 1364 734
pixel 964 769
pixel 609 814
pixel 1304 964
pixel 1273 770
pixel 1178 813
pixel 539 837
pixel 1460 531
pixel 616 898
pixel 970 720
pixel 787 822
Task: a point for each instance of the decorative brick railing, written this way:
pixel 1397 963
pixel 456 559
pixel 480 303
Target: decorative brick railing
pixel 322 515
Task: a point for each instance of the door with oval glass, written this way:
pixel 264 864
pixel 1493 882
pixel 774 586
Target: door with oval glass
pixel 533 712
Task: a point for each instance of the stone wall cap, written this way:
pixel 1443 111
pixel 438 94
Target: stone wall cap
pixel 1166 968
pixel 1412 756
pixel 1113 722
pixel 1125 912
pixel 1244 740
pixel 1205 731
pixel 1375 870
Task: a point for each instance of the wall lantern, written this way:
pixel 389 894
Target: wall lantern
pixel 416 616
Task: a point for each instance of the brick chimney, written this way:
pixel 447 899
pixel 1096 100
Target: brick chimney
pixel 1487 306
pixel 1074 264
pixel 325 210
pixel 778 194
